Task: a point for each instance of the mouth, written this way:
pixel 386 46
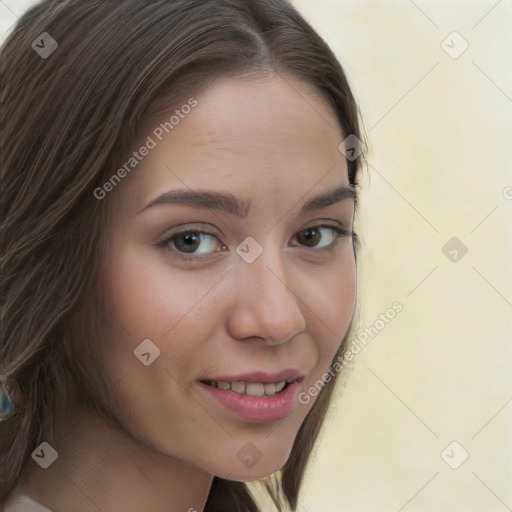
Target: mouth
pixel 257 396
pixel 249 388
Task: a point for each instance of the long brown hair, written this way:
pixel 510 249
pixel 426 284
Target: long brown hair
pixel 68 119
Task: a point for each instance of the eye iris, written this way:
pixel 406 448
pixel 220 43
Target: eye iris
pixel 190 240
pixel 308 236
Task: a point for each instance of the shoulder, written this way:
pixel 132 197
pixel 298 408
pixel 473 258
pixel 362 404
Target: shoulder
pixel 23 504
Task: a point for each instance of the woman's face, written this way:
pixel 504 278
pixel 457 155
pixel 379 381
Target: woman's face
pixel 245 288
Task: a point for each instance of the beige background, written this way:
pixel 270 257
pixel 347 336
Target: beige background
pixel 440 163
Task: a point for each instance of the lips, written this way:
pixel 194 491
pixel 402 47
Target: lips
pixel 257 396
pixel 256 383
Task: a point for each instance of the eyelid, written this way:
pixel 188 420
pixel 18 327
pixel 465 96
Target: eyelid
pixel 337 228
pixel 167 239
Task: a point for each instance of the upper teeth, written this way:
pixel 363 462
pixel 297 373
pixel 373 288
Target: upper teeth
pixel 249 388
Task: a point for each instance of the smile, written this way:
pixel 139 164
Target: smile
pixel 256 396
pixel 249 388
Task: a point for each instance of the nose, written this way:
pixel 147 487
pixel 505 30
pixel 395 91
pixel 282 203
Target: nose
pixel 264 305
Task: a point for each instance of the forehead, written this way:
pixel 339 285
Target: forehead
pixel 264 134
pixel 274 114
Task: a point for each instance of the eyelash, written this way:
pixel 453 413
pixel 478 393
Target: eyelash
pixel 166 243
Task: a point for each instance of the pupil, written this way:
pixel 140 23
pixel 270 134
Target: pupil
pixel 310 235
pixel 188 242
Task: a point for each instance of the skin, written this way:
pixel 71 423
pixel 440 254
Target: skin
pixel 271 141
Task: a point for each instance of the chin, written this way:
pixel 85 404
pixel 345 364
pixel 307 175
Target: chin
pixel 250 463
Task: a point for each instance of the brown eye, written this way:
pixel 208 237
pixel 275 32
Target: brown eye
pixel 320 237
pixel 191 243
pixel 309 237
pixel 187 242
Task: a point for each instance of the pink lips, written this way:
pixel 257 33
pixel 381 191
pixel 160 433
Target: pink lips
pixel 257 408
pixel 261 408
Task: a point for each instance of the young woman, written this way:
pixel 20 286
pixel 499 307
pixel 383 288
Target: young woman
pixel 178 264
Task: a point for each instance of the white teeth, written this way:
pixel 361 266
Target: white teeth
pixel 238 386
pixel 250 388
pixel 280 386
pixel 254 389
pixel 270 389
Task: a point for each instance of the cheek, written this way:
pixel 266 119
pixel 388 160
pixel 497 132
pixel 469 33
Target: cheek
pixel 146 299
pixel 144 296
pixel 341 291
pixel 138 303
pixel 330 307
pixel 331 302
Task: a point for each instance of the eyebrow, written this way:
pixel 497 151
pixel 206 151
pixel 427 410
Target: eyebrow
pixel 225 201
